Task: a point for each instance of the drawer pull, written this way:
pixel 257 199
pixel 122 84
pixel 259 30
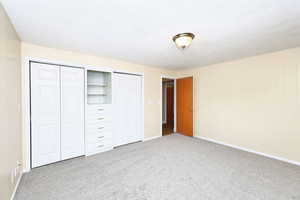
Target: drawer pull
pixel 101 128
pixel 101 137
pixel 100 145
pixel 101 118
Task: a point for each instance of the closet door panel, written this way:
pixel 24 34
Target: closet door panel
pixel 45 114
pixel 127 109
pixel 72 112
pixel 138 110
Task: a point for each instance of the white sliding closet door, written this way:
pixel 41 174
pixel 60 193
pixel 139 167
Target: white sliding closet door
pixel 45 114
pixel 72 112
pixel 127 99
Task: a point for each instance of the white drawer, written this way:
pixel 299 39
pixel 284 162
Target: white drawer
pixel 98 118
pixel 99 110
pixel 100 126
pixel 98 137
pixel 99 131
pixel 97 147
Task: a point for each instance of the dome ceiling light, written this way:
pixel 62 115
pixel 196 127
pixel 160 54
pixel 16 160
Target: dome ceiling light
pixel 183 40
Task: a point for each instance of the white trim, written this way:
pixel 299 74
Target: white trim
pixel 53 62
pixel 143 106
pixel 164 103
pixel 129 72
pixel 98 68
pixel 26 113
pixel 184 76
pixel 25 171
pixel 16 186
pixel 151 138
pixel 249 150
pixel 161 104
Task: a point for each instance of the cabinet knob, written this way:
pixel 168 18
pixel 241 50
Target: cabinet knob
pixel 101 118
pixel 100 145
pixel 101 137
pixel 100 109
pixel 101 128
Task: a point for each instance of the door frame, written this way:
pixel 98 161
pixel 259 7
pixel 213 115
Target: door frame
pixel 161 101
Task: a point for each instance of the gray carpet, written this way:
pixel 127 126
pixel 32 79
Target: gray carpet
pixel 173 167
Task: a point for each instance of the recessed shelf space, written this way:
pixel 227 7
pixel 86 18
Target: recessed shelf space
pixel 98 87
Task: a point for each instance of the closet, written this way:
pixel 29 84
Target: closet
pixel 81 111
pixel 127 108
pixel 57 113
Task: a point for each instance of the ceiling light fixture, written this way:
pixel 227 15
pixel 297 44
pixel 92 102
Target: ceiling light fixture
pixel 183 40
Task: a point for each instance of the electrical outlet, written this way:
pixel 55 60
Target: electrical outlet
pixel 12 177
pixel 16 172
pixel 19 165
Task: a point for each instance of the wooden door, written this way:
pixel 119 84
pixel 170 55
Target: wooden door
pixel 72 112
pixel 184 106
pixel 45 114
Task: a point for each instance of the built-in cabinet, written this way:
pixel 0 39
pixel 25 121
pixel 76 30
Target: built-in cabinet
pixel 81 111
pixel 98 111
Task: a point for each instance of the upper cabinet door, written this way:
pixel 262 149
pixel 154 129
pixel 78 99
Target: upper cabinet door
pixel 72 112
pixel 45 114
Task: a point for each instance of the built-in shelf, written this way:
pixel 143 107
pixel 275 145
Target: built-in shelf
pixel 98 87
pixel 96 94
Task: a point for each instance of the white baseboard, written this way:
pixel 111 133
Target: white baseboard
pixel 249 150
pixel 151 138
pixel 16 186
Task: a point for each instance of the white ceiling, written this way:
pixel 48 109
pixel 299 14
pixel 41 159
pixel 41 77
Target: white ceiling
pixel 141 31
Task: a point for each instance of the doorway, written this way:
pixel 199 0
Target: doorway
pixel 168 96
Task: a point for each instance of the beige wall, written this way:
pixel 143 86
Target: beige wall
pixel 10 111
pixel 152 80
pixel 253 103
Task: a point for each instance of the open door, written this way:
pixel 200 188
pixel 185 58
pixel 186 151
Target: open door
pixel 184 106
